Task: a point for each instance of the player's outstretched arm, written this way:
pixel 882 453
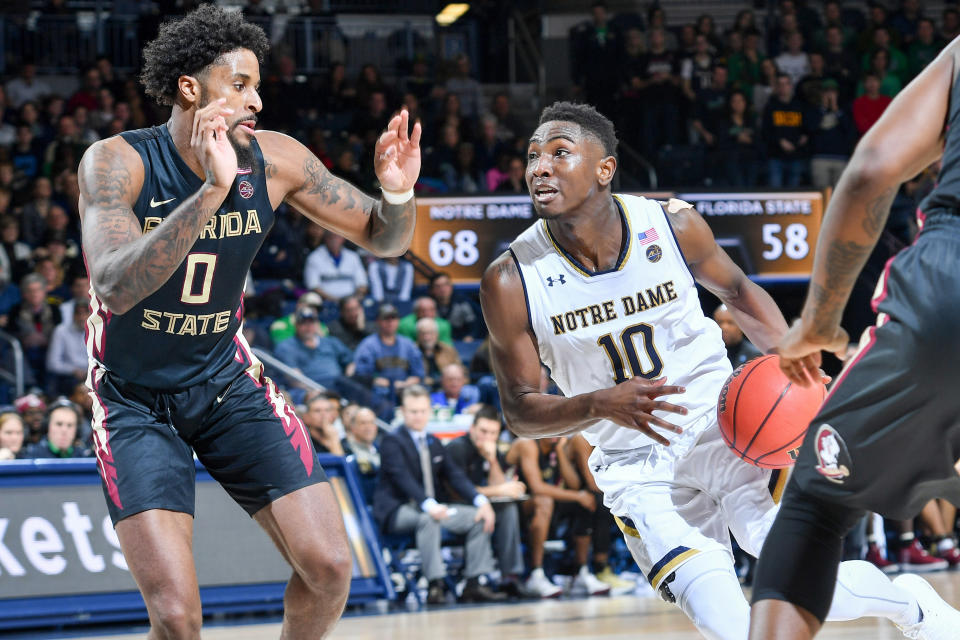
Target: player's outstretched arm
pixel 907 138
pixel 752 307
pixel 125 264
pixel 384 228
pixel 516 364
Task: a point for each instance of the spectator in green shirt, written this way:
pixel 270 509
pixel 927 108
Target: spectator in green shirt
pixel 897 64
pixel 424 307
pixel 286 326
pixel 890 84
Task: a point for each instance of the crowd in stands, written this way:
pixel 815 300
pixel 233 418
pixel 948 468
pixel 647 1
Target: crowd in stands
pixel 777 101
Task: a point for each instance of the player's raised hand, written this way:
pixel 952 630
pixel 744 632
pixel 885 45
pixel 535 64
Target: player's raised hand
pixel 209 142
pixel 396 158
pixel 799 352
pixel 631 404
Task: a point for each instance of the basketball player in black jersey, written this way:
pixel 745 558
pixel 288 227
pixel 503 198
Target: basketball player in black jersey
pixel 888 435
pixel 172 218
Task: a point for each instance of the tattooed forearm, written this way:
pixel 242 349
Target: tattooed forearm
pixel 391 226
pixel 131 272
pixel 843 263
pixel 877 211
pixel 125 264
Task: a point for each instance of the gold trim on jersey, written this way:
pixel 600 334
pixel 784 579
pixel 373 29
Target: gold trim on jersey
pixel 670 567
pixel 627 529
pixel 622 259
pixel 780 483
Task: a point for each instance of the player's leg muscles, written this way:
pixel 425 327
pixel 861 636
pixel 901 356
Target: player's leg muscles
pixel 706 588
pixel 157 546
pixel 307 528
pixel 798 565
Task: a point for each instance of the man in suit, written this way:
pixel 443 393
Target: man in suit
pixel 413 464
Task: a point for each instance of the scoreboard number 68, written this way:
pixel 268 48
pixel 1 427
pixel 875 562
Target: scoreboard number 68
pixel 460 247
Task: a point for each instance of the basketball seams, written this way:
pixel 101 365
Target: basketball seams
pixel 762 427
pixel 783 394
pixel 787 447
pixel 736 401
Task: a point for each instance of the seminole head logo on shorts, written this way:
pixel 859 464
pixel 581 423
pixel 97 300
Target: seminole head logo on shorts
pixel 834 460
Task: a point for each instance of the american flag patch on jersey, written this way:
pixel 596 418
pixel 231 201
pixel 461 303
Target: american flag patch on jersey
pixel 648 236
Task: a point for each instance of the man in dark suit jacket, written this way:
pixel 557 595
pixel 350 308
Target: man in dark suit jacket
pixel 405 501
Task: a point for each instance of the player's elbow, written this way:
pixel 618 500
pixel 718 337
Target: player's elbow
pixel 114 302
pixel 873 165
pixel 111 293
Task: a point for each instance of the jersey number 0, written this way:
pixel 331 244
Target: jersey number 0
pixel 189 295
pixel 649 369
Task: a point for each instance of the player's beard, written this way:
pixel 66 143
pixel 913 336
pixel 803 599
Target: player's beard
pixel 244 151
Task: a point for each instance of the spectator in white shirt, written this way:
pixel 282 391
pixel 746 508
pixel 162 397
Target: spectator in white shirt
pixel 794 61
pixel 333 271
pixel 67 355
pixel 26 88
pixel 79 290
pixel 391 280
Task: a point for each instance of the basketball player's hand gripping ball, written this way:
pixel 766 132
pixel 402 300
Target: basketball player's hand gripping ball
pixel 396 158
pixel 799 351
pixel 209 142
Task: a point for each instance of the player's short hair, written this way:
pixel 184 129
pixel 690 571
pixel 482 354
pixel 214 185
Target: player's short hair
pixel 486 412
pixel 589 119
pixel 191 44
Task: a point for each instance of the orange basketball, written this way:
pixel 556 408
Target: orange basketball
pixel 763 416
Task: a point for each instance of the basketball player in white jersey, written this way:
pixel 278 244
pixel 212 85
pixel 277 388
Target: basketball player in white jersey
pixel 602 290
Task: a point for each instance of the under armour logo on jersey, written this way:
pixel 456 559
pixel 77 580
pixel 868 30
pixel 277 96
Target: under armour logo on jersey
pixel 551 280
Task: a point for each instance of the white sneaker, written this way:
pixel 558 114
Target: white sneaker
pixel 538 585
pixel 940 621
pixel 585 583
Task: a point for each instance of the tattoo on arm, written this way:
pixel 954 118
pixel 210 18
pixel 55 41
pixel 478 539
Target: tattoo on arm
pixel 391 226
pixel 126 265
pixel 844 261
pixel 877 211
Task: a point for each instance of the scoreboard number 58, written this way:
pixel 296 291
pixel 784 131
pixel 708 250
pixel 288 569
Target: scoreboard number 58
pixel 791 241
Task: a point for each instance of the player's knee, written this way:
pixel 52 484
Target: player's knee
pixel 326 567
pixel 176 616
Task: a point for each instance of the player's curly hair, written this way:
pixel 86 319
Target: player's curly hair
pixel 189 45
pixel 589 119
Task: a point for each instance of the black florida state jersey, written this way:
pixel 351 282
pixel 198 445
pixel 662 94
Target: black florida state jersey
pixel 190 328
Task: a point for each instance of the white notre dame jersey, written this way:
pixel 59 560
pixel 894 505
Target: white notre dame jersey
pixel 641 318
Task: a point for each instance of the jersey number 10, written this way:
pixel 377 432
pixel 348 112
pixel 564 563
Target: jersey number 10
pixel 649 369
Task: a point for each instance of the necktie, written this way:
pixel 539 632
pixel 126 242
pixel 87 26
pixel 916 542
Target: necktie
pixel 425 468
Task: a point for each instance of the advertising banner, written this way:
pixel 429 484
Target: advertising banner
pixel 59 552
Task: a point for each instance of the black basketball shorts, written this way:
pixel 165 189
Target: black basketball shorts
pixel 248 438
pixel 888 435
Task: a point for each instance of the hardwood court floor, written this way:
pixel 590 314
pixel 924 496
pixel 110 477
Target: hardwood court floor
pixel 580 619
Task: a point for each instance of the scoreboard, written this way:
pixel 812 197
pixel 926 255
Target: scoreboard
pixel 770 235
